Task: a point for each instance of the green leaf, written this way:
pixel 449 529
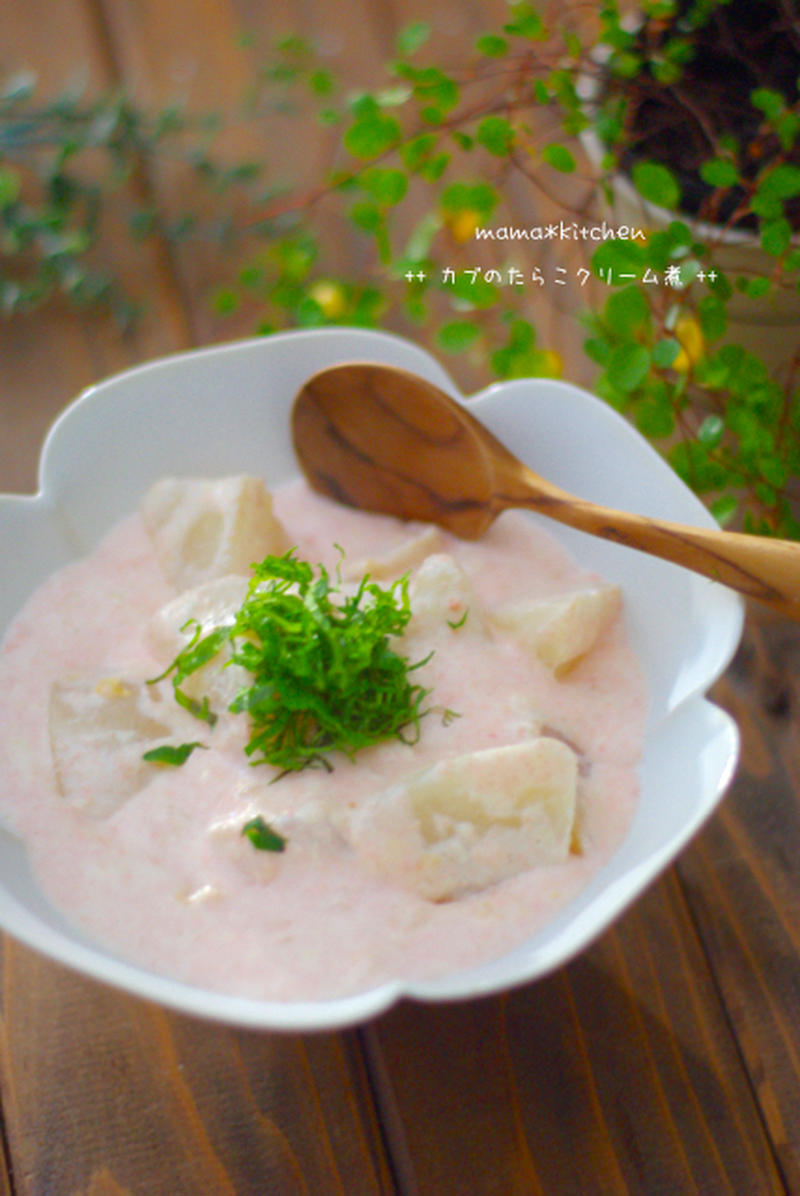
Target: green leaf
pixel 773 470
pixel 320 82
pixel 559 157
pixel 691 461
pixel 755 287
pixel 781 183
pixel 434 88
pixel 619 257
pixel 719 172
pixel 770 102
pixel 724 508
pixel 420 239
pixel 597 349
pixel 433 170
pixel 225 301
pixel 372 135
pixel 412 38
pixel 457 335
pixel 787 126
pixel 626 310
pixel 262 835
pixel 363 104
pixel 766 206
pixel 417 152
pixel 713 316
pixel 367 216
pixel 625 65
pixel 479 294
pixel 525 22
pixel 572 44
pixel 776 236
pixel 387 187
pixel 496 135
pixel 473 197
pixel 541 91
pixel 657 184
pixel 169 755
pixel 491 45
pixel 711 431
pixel 654 418
pixel 628 366
pixel 609 127
pixel 665 351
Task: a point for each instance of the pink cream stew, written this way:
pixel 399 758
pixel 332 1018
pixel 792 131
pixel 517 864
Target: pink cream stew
pixel 409 861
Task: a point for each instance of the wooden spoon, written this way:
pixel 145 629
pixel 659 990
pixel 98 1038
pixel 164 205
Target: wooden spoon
pixel 382 439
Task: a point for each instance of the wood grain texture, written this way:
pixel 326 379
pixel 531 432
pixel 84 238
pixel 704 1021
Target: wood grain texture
pixel 616 1074
pixel 742 879
pixel 48 357
pixel 103 1089
pixel 190 52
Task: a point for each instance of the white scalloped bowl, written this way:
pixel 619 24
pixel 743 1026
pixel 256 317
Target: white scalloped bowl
pixel 225 410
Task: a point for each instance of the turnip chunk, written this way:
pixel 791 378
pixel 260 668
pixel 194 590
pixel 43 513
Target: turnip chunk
pixel 210 605
pixel 401 558
pixel 99 730
pixel 472 820
pixel 441 595
pixel 203 529
pixel 562 629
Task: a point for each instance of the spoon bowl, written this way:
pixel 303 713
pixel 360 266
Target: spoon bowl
pixel 382 439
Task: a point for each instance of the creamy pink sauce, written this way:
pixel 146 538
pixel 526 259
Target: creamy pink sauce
pixel 314 922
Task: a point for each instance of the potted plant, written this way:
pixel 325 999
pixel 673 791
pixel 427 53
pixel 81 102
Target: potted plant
pixel 695 118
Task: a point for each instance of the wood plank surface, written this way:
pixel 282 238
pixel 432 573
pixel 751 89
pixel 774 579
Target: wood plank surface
pixel 617 1074
pixel 46 358
pixel 742 879
pixel 106 1093
pixel 664 1060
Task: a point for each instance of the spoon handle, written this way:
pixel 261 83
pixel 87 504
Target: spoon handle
pixel 757 566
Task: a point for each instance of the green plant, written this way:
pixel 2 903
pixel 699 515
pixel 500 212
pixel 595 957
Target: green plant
pixel 722 79
pixel 65 164
pixel 425 165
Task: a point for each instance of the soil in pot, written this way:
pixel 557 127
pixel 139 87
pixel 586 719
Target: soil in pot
pixel 741 46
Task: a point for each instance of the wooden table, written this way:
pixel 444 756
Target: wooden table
pixel 664 1060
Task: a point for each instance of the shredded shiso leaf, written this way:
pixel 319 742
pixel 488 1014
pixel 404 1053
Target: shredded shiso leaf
pixel 325 674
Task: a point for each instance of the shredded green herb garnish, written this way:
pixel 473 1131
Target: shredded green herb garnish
pixel 459 622
pixel 325 675
pixel 167 754
pixel 262 836
pixel 198 652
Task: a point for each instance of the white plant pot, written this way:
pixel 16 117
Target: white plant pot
pixel 769 325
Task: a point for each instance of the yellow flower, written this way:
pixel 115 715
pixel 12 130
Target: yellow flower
pixel 330 296
pixel 462 224
pixel 550 364
pixel 692 343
